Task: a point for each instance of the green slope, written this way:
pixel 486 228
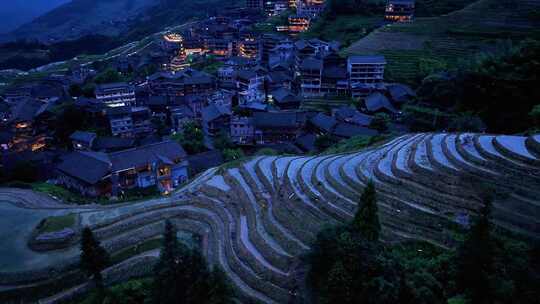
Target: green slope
pixel 412 49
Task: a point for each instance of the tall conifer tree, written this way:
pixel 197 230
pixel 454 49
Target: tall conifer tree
pixel 366 219
pixel 93 257
pixel 475 259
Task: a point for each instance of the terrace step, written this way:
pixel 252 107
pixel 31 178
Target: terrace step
pixel 264 170
pixel 515 147
pixel 331 170
pixel 335 209
pixel 265 207
pixel 465 145
pixel 437 156
pixel 452 153
pixel 231 236
pixel 253 209
pixel 533 144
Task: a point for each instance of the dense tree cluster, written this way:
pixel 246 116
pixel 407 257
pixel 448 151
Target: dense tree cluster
pixel 29 54
pixel 181 275
pixel 348 264
pixel 501 89
pixel 191 138
pixel 94 259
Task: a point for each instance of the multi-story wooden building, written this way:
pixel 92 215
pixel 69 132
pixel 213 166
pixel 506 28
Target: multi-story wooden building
pixel 116 94
pixel 162 165
pixel 130 121
pixel 181 83
pixel 366 73
pixel 278 127
pixel 399 10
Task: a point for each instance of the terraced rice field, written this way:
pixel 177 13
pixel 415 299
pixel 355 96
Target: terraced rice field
pixel 450 38
pixel 256 219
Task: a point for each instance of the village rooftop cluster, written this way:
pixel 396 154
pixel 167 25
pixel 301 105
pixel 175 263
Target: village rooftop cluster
pixel 220 77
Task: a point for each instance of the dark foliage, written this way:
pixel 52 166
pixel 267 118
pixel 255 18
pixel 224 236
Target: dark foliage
pixel 191 138
pixel 223 141
pixel 108 76
pixel 94 258
pixel 23 171
pixel 324 142
pixel 67 121
pixel 380 122
pixel 182 273
pixel 366 219
pixel 501 89
pixel 487 267
pixel 431 8
pixel 75 90
pixel 60 51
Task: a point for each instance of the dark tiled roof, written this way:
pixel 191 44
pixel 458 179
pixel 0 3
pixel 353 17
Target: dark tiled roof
pixel 202 161
pixel 324 122
pixel 368 59
pixel 281 65
pixel 110 143
pixel 279 77
pixel 201 78
pixel 377 101
pixel 27 109
pixel 46 91
pixel 301 44
pixel 100 88
pixel 345 112
pixel 347 130
pixel 360 119
pixel 246 74
pixel 283 95
pixel 141 156
pixel 188 76
pixel 82 136
pixel 278 119
pixel 214 111
pixel 400 93
pixel 255 106
pixel 306 142
pixel 90 167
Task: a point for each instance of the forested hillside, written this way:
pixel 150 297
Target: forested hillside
pixel 94 27
pixel 14 13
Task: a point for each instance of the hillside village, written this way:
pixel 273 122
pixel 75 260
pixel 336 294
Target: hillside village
pixel 281 151
pixel 219 83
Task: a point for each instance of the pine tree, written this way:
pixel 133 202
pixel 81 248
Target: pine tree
pixel 164 271
pixel 366 219
pixel 182 275
pixel 218 291
pixel 475 259
pixel 94 258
